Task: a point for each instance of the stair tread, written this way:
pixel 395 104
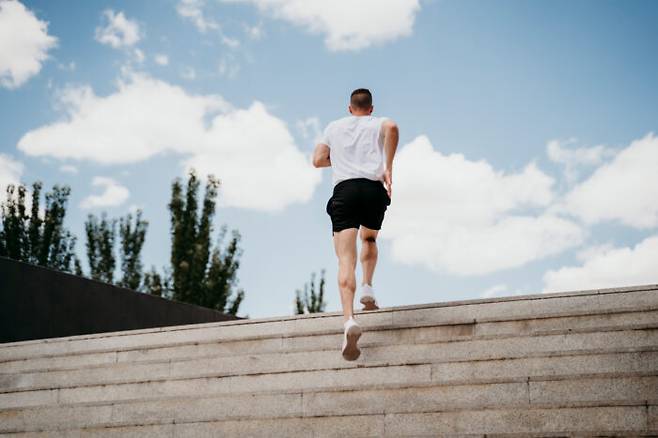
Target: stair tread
pixel 583 362
pixel 290 327
pixel 508 419
pixel 465 350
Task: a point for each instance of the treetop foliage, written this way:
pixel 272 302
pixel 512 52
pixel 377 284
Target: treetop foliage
pixel 38 237
pixel 310 301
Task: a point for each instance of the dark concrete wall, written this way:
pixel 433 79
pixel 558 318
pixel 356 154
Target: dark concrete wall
pixel 39 303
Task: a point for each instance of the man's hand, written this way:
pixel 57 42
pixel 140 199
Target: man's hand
pixel 388 180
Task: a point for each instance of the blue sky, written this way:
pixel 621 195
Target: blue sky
pixel 528 159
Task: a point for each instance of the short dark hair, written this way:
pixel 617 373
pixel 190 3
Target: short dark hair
pixel 361 98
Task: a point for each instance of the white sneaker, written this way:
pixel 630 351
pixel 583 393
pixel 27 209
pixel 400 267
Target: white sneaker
pixel 368 298
pixel 350 338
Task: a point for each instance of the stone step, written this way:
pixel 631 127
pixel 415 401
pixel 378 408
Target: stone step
pixel 623 420
pixel 373 336
pixel 414 363
pixel 277 328
pixel 567 364
pixel 548 394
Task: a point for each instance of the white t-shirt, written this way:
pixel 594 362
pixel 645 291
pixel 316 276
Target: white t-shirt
pixel 356 146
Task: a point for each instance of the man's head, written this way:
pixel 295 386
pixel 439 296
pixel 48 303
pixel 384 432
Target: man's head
pixel 360 102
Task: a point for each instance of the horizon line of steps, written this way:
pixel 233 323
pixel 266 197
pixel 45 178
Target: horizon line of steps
pixel 555 364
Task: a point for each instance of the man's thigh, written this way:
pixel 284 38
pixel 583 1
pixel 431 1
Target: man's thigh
pixel 345 245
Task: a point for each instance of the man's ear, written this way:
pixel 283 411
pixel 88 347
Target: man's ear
pixel 349 108
pixel 372 108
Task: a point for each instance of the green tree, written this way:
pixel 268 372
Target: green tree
pixel 101 235
pixel 36 239
pixel 221 277
pixel 132 242
pixel 199 275
pixel 156 284
pixel 101 241
pixel 311 303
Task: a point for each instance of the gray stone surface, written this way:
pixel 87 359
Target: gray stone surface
pixel 606 321
pixel 146 431
pixel 653 418
pixel 58 417
pixel 644 362
pixel 197 409
pixel 258 383
pixel 45 434
pixel 612 390
pixel 386 336
pixel 340 427
pixel 85 376
pixel 482 310
pixel 583 419
pixel 28 398
pixel 329 361
pixel 427 398
pixel 575 364
pixel 57 362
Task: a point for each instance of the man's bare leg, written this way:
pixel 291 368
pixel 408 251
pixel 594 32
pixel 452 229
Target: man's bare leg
pixel 368 258
pixel 345 247
pixel 369 253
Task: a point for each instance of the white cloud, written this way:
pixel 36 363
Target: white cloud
pixel 574 158
pixel 113 194
pixel 10 173
pixel 256 157
pixel 68 168
pixel 608 266
pixel 193 11
pixel 250 150
pixel 117 31
pixel 161 59
pixel 143 118
pixel 559 153
pixel 24 44
pixel 624 190
pixel 346 24
pixel 463 217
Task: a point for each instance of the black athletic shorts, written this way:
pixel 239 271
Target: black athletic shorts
pixel 357 201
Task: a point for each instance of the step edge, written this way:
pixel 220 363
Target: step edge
pixel 465 338
pixel 529 407
pixel 377 326
pixel 438 304
pixel 539 355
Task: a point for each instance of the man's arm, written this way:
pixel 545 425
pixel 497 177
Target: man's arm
pixel 321 156
pixel 391 137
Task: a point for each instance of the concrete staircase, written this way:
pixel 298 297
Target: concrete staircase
pixel 560 364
